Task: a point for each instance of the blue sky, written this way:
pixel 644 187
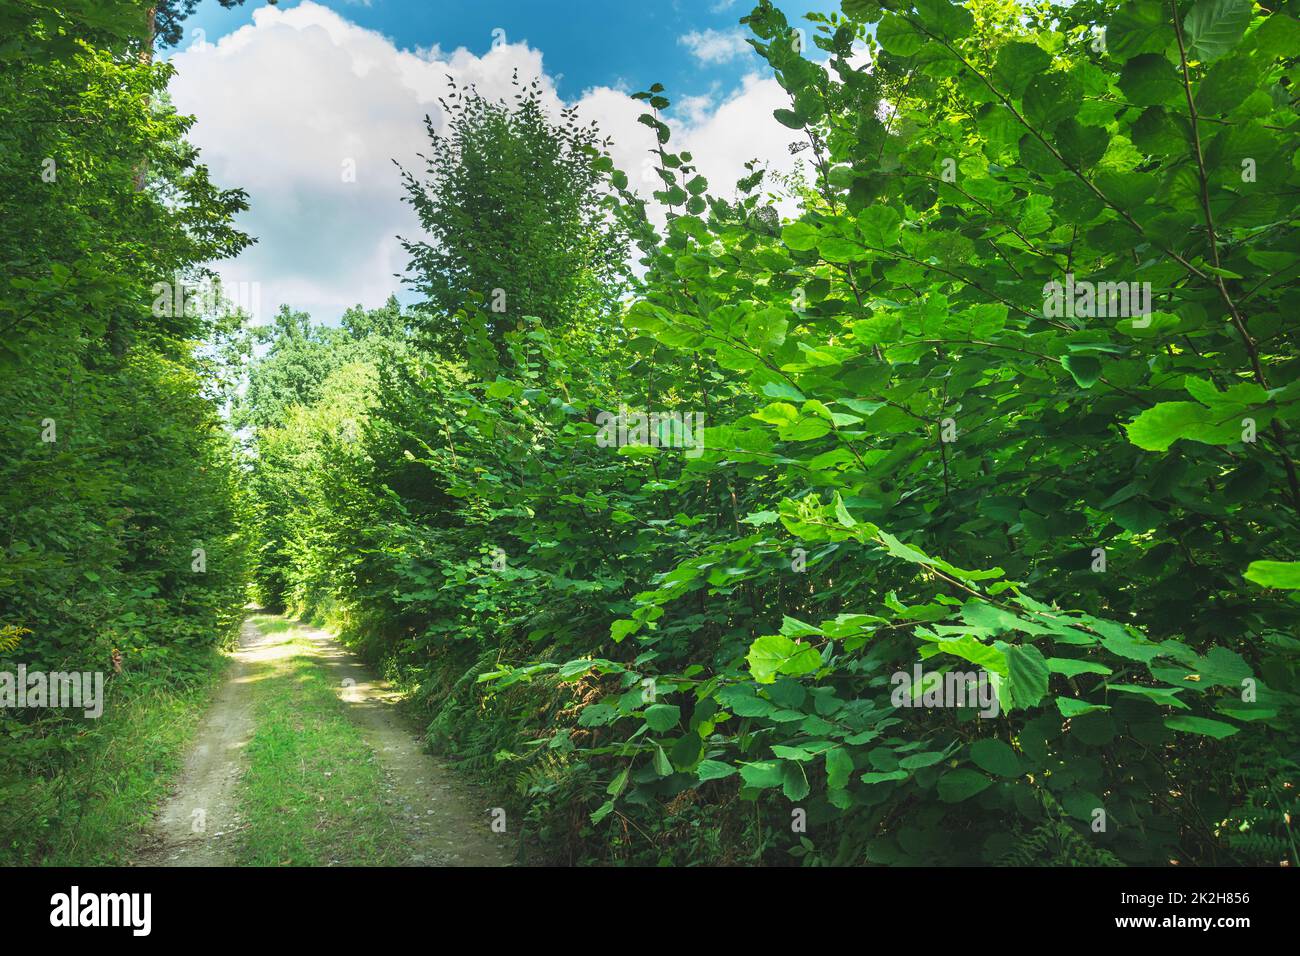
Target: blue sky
pixel 585 43
pixel 307 104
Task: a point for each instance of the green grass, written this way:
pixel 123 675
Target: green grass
pixel 312 794
pixel 270 623
pixel 85 793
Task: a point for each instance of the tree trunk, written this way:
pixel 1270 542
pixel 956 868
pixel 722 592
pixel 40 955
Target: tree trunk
pixel 146 56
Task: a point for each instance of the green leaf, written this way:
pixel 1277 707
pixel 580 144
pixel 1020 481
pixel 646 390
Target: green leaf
pixel 1069 707
pixel 1167 696
pixel 839 765
pixel 662 717
pixel 842 513
pixel 619 783
pixel 794 782
pixel 1274 574
pixel 1207 393
pixel 879 226
pixel 794 628
pixel 597 715
pixel 1094 729
pixel 1084 146
pixel 621 629
pixel 766 328
pixel 1279 36
pixel 1227 85
pixel 1084 369
pixel 996 757
pixel 874 776
pixel 1124 644
pixel 1028 671
pixel 777 654
pixel 1213 27
pixel 782 390
pixel 790 118
pixel 1073 668
pixel 1081 804
pixel 898 36
pixel 742 701
pixel 836 249
pixel 777 413
pixel 1050 98
pixel 1161 425
pixel 800 236
pixel 1203 726
pixel 602 811
pixel 1138 28
pixel 713 770
pixel 972 649
pixel 1017 64
pixel 663 766
pixel 1150 80
pixel 1136 516
pixel 961 784
pixel 945 18
pixel 917 761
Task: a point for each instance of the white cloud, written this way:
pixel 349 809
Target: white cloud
pixel 716 46
pixel 742 128
pixel 694 109
pixel 288 103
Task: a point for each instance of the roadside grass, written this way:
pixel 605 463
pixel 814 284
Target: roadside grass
pixel 83 793
pixel 313 791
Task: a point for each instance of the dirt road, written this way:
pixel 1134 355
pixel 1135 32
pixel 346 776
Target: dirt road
pixel 442 820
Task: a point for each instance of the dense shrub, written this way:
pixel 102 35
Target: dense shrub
pixel 916 455
pixel 122 514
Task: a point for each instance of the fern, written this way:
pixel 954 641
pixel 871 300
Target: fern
pixel 1256 847
pixel 1054 842
pixel 1261 833
pixel 543 776
pixel 11 635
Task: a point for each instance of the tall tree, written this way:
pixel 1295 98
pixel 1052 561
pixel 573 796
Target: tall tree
pixel 121 506
pixel 517 220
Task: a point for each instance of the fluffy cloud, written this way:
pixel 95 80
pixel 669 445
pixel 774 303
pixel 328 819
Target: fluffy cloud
pixel 716 46
pixel 308 111
pixel 739 129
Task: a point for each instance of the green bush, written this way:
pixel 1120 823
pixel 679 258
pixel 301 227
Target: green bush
pixel 916 453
